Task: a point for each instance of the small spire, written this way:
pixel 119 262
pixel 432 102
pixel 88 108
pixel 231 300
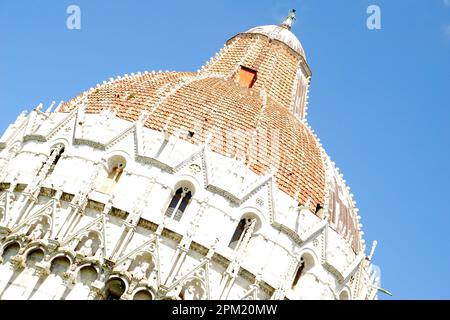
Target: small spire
pixel 292 16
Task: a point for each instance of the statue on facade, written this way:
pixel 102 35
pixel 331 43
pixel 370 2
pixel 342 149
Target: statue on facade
pixel 38 232
pixel 292 16
pixel 86 249
pixel 191 291
pixel 140 271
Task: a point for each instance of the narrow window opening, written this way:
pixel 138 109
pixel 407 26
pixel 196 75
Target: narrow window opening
pixel 247 77
pixel 237 234
pixel 245 225
pixel 40 169
pixel 58 155
pixel 318 207
pixel 299 273
pixel 174 203
pixel 183 205
pixel 55 154
pixel 319 211
pixel 179 203
pixel 112 179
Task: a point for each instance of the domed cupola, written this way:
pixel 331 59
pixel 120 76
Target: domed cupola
pixel 269 59
pixel 246 100
pixel 282 33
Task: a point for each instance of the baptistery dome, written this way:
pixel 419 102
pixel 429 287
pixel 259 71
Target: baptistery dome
pixel 282 33
pixel 182 185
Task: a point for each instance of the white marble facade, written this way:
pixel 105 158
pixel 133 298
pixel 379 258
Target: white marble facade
pixel 95 207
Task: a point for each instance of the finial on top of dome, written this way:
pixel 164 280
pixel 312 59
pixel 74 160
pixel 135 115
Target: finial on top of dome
pixel 292 16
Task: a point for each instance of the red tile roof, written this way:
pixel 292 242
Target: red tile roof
pixel 232 114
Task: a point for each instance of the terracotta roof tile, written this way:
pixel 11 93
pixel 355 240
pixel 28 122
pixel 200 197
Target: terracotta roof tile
pixel 212 101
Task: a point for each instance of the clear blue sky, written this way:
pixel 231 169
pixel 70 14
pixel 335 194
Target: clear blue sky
pixel 379 99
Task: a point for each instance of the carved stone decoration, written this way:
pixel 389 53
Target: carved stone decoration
pixel 152 247
pixel 69 278
pixel 193 289
pixel 126 296
pixel 195 168
pixel 97 289
pixel 46 168
pixel 316 242
pixel 18 262
pixel 142 267
pixel 3 203
pixel 12 153
pixel 86 248
pixel 88 245
pixel 252 293
pixel 140 271
pixel 260 202
pixel 89 240
pixel 38 230
pixel 42 269
pixel 200 273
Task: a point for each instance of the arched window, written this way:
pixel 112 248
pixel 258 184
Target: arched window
pixel 179 203
pixel 49 165
pixel 117 165
pixel 34 257
pixel 10 251
pixel 60 265
pixel 87 275
pixel 237 234
pixel 298 273
pixel 305 265
pixel 55 155
pixel 143 295
pixel 57 152
pixel 344 295
pixel 114 289
pixel 245 227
